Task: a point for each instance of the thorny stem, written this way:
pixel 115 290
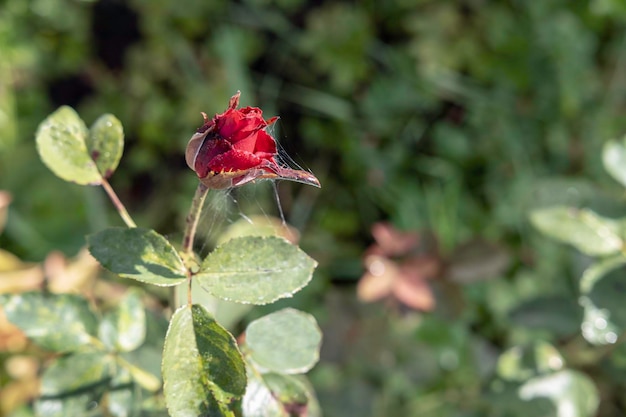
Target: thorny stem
pixel 117 203
pixel 190 231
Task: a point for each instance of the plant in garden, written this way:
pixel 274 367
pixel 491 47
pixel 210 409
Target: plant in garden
pixel 602 241
pixel 398 265
pixel 205 370
pixel 602 238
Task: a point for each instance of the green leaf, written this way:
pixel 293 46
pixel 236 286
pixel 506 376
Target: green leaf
pixel 144 363
pixel 71 385
pixel 255 270
pixel 137 253
pixel 573 393
pixel 604 312
pixel 58 322
pixel 521 363
pixel 121 400
pixel 614 159
pixel 558 314
pixel 203 370
pixel 599 269
pixel 278 395
pixel 124 328
pixel 287 341
pixel 597 326
pixel 62 145
pixel 583 229
pixel 106 143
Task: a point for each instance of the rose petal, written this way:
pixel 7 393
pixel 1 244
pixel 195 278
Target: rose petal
pixel 264 143
pixel 209 150
pixel 234 160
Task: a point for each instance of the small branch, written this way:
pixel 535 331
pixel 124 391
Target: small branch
pixel 190 232
pixel 118 204
pixel 193 217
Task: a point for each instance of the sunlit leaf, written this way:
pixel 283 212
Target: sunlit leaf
pixel 583 229
pixel 595 272
pixel 604 310
pixel 137 253
pixel 105 143
pixel 573 393
pixel 203 370
pixel 124 328
pixel 287 341
pixel 62 145
pixel 597 326
pixel 520 363
pixel 121 400
pixel 614 159
pixel 255 270
pixel 73 383
pixel 59 322
pixel 144 363
pixel 278 395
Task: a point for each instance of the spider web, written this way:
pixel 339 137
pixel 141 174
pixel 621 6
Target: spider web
pixel 258 204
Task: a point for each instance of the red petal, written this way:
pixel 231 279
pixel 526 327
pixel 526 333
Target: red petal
pixel 235 160
pixel 209 150
pixel 264 143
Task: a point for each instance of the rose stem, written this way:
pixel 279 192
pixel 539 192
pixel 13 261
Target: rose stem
pixel 190 231
pixel 118 204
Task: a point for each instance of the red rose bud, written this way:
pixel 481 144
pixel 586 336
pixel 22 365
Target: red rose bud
pixel 233 149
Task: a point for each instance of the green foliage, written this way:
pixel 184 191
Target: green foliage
pixel 287 341
pixel 583 229
pixel 93 368
pixel 203 371
pixel 456 117
pixel 140 254
pixel 255 270
pixel 76 154
pixel 124 328
pixel 61 323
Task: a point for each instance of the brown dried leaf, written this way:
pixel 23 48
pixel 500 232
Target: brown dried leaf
pixel 414 293
pixel 5 200
pixel 18 276
pixel 378 280
pixel 11 338
pixel 392 242
pixel 73 275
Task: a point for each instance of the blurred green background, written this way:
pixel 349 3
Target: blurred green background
pixel 448 119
